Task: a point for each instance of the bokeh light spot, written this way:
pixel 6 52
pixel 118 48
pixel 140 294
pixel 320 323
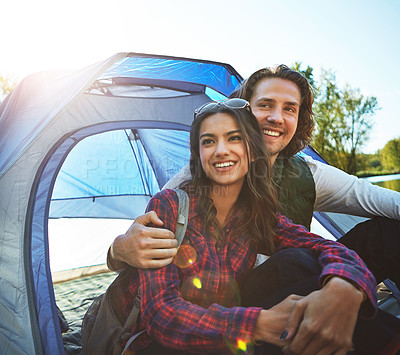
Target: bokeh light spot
pixel 242 345
pixel 185 257
pixel 197 282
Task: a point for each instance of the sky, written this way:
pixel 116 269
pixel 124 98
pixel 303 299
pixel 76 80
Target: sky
pixel 359 40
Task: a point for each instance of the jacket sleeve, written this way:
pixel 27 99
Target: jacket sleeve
pixel 337 191
pixel 335 260
pixel 177 323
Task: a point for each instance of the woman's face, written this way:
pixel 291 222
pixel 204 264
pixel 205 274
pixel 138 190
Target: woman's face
pixel 222 150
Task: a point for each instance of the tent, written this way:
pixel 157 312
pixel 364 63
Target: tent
pixel 95 143
pixel 145 103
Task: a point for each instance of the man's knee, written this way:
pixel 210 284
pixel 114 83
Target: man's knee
pixel 291 265
pixel 296 257
pixel 282 274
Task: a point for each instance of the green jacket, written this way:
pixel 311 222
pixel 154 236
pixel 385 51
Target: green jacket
pixel 296 189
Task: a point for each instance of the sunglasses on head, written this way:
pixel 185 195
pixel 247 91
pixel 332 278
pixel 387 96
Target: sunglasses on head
pixel 230 103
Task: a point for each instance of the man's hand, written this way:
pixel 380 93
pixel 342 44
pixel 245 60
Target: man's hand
pixel 143 247
pixel 323 322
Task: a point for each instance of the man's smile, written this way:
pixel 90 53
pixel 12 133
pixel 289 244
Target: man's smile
pixel 269 132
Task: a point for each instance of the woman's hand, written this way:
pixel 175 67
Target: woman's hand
pixel 272 322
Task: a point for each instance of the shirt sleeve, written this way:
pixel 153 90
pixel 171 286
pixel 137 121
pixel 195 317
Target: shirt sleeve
pixel 335 260
pixel 337 191
pixel 177 323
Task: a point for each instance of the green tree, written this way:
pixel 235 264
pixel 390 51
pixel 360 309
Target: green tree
pixel 391 155
pixel 329 120
pixel 369 164
pixel 358 111
pixel 308 73
pixel 343 119
pixel 7 84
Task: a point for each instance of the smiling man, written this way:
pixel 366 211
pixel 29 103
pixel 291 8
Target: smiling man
pixel 282 99
pixel 276 104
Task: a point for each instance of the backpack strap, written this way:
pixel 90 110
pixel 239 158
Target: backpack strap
pixel 183 215
pixel 181 226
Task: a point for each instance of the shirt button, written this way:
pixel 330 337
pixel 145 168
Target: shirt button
pixel 186 241
pixel 227 230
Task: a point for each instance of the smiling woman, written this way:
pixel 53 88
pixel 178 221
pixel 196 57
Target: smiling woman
pixel 222 140
pixel 223 154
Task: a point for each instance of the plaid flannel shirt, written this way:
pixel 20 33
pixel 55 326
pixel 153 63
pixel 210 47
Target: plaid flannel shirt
pixel 193 303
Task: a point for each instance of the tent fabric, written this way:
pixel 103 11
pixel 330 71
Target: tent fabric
pixel 116 163
pixel 184 71
pixel 35 102
pixel 21 120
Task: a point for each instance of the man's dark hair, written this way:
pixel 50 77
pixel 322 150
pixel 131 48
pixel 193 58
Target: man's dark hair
pixel 305 124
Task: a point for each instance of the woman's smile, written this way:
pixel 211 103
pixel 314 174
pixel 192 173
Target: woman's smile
pixel 223 154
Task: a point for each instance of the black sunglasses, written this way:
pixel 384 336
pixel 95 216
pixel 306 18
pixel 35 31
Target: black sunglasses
pixel 230 103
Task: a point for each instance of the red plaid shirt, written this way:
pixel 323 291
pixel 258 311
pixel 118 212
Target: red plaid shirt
pixel 192 304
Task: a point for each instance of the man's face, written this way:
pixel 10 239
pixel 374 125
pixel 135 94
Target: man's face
pixel 276 104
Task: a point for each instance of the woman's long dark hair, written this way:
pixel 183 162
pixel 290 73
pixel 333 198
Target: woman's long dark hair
pixel 257 200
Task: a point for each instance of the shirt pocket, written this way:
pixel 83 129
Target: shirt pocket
pixel 241 255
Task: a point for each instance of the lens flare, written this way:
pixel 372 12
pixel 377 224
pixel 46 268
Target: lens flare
pixel 242 345
pixel 185 257
pixel 197 282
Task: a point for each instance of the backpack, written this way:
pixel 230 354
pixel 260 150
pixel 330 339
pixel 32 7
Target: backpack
pixel 104 326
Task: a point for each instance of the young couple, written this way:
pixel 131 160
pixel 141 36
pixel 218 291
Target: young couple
pixel 233 216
